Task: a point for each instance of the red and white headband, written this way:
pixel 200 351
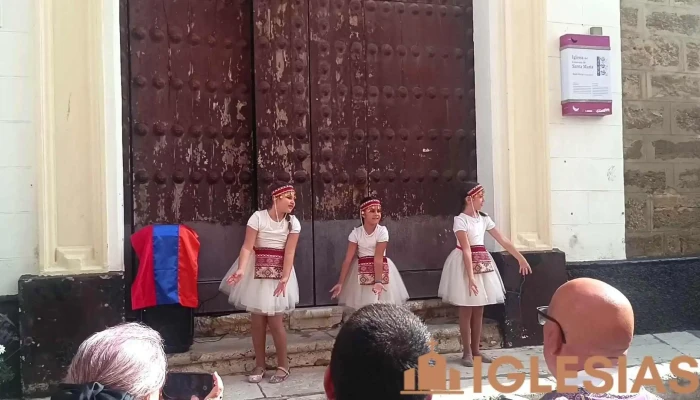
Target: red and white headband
pixel 282 190
pixel 478 189
pixel 369 203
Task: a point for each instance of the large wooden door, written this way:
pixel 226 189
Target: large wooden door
pixel 392 116
pixel 190 120
pixel 342 98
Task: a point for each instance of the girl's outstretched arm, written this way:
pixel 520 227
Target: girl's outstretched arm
pixel 247 250
pixel 345 269
pixel 349 255
pixel 510 248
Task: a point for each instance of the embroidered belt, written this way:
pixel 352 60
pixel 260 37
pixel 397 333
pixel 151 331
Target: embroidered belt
pixel 365 271
pixel 481 259
pixel 269 263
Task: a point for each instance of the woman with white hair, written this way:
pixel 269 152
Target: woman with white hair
pixel 125 362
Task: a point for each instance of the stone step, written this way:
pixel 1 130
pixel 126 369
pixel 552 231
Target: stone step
pixel 233 354
pixel 309 319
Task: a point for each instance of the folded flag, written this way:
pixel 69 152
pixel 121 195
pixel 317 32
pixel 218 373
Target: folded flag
pixel 168 266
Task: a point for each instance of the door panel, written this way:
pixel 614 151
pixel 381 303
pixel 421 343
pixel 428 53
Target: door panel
pixel 191 136
pixel 282 112
pixel 338 109
pixel 422 128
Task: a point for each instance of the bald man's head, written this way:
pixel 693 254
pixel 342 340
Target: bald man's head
pixel 596 318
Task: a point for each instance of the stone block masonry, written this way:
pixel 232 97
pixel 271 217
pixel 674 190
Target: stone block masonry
pixel 660 42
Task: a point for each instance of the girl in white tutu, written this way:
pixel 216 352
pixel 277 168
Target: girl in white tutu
pixel 373 277
pixel 479 283
pixel 262 280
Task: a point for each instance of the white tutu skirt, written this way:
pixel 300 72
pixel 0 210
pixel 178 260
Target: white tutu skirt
pixel 454 284
pixel 257 296
pixel 355 296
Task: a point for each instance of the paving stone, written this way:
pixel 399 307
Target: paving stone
pixel 644 340
pixel 312 397
pixel 301 382
pixel 690 350
pixel 488 391
pixel 333 332
pixel 237 388
pixel 524 355
pixel 661 353
pixel 454 361
pixel 679 339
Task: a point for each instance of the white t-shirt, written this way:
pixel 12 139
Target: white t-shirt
pixel 475 227
pixel 366 244
pixel 272 234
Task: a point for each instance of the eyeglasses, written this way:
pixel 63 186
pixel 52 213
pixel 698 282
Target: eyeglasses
pixel 542 318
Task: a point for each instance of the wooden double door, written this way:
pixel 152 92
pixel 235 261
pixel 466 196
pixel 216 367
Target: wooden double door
pixel 342 98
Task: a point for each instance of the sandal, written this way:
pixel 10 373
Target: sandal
pixel 279 379
pixel 256 378
pixel 468 362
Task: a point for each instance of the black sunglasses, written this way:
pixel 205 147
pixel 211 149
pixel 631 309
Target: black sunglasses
pixel 542 317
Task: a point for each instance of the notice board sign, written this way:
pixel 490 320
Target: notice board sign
pixel 585 75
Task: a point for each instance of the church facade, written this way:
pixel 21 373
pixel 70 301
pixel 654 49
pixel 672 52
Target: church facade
pixel 116 116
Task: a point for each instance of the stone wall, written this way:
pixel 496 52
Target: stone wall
pixel 661 108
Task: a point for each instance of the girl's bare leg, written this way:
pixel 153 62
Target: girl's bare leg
pixel 465 316
pixel 258 329
pixel 477 317
pixel 476 324
pixel 258 326
pixel 279 336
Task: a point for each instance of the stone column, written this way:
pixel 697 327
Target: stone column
pixel 511 108
pixel 80 185
pixel 79 144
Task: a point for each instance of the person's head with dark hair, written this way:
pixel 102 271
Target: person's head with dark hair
pixel 471 197
pixel 371 352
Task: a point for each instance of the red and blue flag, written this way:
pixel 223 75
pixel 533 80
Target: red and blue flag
pixel 168 266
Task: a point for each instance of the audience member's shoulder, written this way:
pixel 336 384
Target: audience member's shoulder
pixel 583 394
pixel 558 396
